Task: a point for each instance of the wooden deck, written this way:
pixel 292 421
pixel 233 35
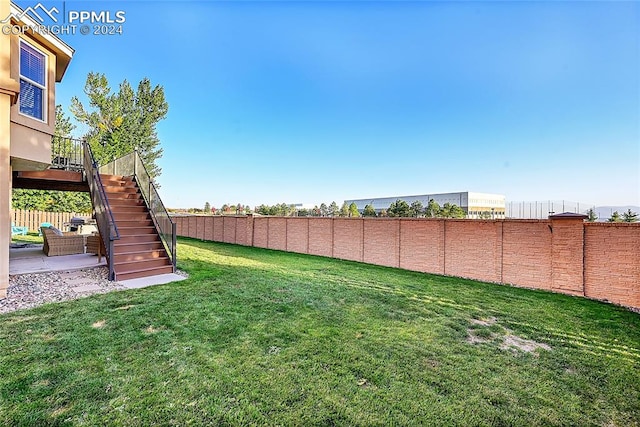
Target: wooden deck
pixel 50 179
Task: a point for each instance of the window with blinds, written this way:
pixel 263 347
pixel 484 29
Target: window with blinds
pixel 32 81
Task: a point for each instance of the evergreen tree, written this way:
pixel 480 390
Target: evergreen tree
pixel 333 209
pixel 344 210
pixel 324 210
pixel 591 215
pixel 369 211
pixel 416 209
pixel 615 217
pixel 399 208
pixel 629 216
pixel 353 210
pixel 432 210
pixel 456 211
pixel 207 207
pixel 449 210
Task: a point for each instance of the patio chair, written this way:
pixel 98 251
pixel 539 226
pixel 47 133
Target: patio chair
pixel 59 243
pixel 44 224
pixel 16 230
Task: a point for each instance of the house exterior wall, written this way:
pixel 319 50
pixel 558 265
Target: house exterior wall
pixel 24 141
pixel 561 254
pixel 8 92
pixel 31 138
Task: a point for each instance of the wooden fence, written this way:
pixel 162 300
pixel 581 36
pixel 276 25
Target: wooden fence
pixel 33 219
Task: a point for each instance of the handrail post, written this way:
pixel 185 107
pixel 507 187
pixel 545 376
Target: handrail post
pixel 173 244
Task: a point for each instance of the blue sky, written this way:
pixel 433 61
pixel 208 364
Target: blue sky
pixel 310 102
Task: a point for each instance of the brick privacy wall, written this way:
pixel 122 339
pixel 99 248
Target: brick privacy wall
pixel 612 263
pixel 298 235
pixel 526 253
pixel 347 238
pixel 422 245
pixel 597 260
pixel 567 256
pixel 229 229
pixel 321 236
pixel 473 249
pixel 381 242
pixel 260 232
pixel 277 233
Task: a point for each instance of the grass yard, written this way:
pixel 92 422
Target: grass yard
pixel 265 337
pixel 30 237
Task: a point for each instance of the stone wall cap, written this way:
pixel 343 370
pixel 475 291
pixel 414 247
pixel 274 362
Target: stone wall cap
pixel 568 215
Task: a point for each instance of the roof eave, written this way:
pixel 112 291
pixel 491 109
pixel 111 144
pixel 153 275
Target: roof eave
pixel 63 51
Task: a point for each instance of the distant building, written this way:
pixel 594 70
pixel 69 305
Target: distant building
pixel 475 205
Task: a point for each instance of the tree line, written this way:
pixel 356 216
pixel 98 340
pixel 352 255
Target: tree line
pixel 399 208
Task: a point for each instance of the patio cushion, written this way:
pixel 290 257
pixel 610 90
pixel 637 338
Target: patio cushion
pixel 56 231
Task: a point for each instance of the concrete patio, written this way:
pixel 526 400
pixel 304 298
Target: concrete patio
pixel 31 259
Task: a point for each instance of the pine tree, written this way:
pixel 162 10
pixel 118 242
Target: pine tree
pixel 615 217
pixel 353 210
pixel 369 211
pixel 333 209
pixel 344 210
pixel 416 209
pixel 629 216
pixel 432 210
pixel 399 208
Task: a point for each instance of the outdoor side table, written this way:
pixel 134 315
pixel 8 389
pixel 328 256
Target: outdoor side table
pixel 95 246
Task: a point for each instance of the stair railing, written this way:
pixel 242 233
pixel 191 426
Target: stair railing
pixel 132 165
pixel 104 217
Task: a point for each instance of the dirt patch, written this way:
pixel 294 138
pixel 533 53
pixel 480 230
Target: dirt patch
pixel 516 343
pixel 472 338
pixel 152 330
pixel 501 336
pixel 484 322
pixel 99 324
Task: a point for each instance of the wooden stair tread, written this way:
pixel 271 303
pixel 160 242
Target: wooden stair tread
pixel 140 251
pixel 147 272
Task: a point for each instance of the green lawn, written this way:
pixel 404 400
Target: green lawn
pixel 30 237
pixel 265 337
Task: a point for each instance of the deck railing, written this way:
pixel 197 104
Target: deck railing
pixel 104 217
pixel 67 154
pixel 131 165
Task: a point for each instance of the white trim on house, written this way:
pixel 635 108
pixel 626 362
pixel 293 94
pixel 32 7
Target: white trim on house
pixel 55 41
pixel 45 91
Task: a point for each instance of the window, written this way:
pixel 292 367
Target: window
pixel 32 81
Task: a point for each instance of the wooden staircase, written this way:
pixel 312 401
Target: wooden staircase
pixel 139 252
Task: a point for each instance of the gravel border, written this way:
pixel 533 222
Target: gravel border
pixel 35 289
